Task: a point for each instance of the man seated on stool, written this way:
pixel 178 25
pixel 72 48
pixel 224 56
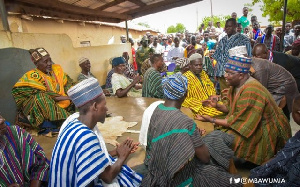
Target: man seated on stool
pixel 85 66
pixel 152 80
pixel 40 94
pixel 121 85
pixel 200 88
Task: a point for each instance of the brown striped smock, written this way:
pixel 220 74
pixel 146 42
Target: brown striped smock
pixel 258 124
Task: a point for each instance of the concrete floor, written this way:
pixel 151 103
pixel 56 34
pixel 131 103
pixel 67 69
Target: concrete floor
pixel 132 110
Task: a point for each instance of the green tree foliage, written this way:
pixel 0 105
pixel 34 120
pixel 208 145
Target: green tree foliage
pixel 249 6
pixel 171 29
pixel 178 28
pixel 274 9
pixel 222 19
pixel 144 25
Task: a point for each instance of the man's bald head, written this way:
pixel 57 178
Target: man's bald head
pixel 260 51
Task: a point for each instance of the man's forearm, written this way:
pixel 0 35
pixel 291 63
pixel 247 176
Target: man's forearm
pixel 112 171
pixel 221 108
pixel 221 122
pixel 113 152
pixel 123 92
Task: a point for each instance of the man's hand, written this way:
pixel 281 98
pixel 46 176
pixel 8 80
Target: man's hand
pixel 201 131
pixel 61 98
pixel 124 149
pixel 211 101
pixel 137 79
pixel 106 92
pixel 135 147
pixel 224 93
pixel 204 118
pixel 138 75
pixel 138 86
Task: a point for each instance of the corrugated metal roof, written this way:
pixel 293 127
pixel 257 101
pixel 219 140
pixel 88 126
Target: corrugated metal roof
pixel 93 10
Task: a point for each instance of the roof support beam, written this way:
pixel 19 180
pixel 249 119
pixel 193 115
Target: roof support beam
pixel 111 4
pixel 24 9
pixel 67 8
pixel 158 7
pixel 138 2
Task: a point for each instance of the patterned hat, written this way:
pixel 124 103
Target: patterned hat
pixel 85 91
pixel 182 62
pixel 174 86
pixel 117 61
pixel 239 64
pixel 82 60
pixel 38 53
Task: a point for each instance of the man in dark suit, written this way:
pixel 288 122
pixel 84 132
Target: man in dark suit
pixel 289 62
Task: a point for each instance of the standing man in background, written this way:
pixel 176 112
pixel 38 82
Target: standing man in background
pixel 232 39
pixel 244 20
pixel 142 53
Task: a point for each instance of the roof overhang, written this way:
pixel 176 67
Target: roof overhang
pixel 113 11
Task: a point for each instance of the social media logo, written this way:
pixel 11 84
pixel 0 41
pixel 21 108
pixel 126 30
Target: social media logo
pixel 236 181
pixel 244 180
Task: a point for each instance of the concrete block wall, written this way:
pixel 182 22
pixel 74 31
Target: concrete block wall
pixel 15 60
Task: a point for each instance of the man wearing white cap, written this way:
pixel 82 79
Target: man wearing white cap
pixel 85 66
pixel 80 157
pixel 253 117
pixel 123 39
pixel 200 88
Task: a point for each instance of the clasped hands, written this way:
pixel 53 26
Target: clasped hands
pixel 210 102
pixel 127 147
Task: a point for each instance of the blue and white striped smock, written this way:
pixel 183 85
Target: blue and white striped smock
pixel 78 158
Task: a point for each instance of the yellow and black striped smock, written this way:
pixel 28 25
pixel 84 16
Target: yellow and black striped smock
pixel 199 89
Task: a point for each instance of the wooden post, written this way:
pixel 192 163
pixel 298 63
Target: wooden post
pixel 127 34
pixel 4 15
pixel 283 26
